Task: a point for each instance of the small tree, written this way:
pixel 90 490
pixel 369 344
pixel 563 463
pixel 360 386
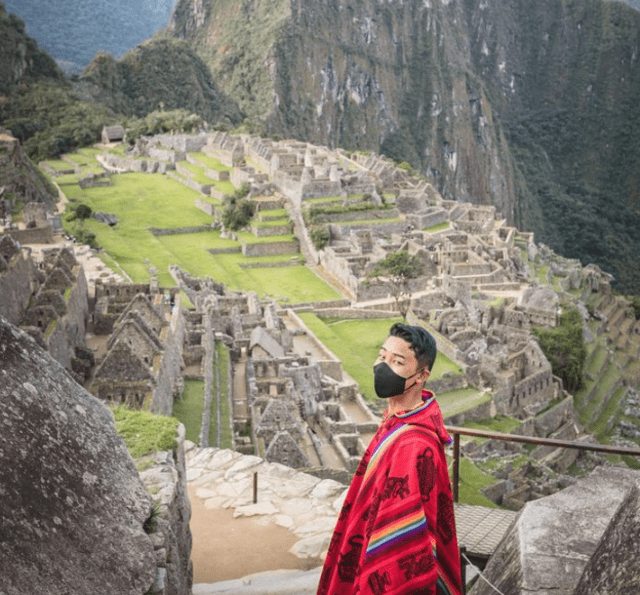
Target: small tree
pixel 238 210
pixel 564 347
pixel 398 268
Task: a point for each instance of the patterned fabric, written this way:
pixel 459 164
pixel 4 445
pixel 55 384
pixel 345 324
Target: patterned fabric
pixel 396 531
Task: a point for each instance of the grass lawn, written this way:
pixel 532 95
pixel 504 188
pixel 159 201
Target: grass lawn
pixel 210 162
pixel 58 164
pixel 263 214
pixel 457 401
pixel 189 409
pixel 357 344
pixel 472 480
pixel 140 201
pixel 285 283
pixel 246 237
pixel 439 227
pixel 197 173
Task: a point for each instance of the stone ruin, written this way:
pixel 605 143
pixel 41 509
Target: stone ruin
pixel 475 292
pixel 142 363
pixel 48 298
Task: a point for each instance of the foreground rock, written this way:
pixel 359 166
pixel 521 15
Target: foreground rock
pixel 559 541
pixel 72 506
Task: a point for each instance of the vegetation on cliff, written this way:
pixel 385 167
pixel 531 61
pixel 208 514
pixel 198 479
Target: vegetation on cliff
pixel 160 74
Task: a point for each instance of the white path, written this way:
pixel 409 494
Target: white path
pixel 305 505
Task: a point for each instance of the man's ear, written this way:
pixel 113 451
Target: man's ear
pixel 424 374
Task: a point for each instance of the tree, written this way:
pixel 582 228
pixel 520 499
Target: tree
pixel 398 268
pixel 564 347
pixel 238 209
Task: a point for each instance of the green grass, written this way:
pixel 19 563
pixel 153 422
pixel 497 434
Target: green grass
pixel 439 227
pixel 472 480
pixel 246 237
pixel 458 401
pixel 223 186
pixel 58 164
pixel 500 423
pixel 605 384
pixel 189 409
pixel 322 200
pixel 210 162
pixel 357 344
pixel 287 283
pixel 271 222
pixel 226 439
pixel 197 173
pixel 141 201
pixel 599 426
pixel 143 432
pixel 279 213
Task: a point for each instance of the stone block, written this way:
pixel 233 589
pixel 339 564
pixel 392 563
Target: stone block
pixel 614 568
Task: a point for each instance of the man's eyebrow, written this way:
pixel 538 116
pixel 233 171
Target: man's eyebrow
pixel 400 355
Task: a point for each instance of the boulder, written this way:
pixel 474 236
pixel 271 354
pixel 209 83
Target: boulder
pixel 72 506
pixel 553 540
pixel 614 568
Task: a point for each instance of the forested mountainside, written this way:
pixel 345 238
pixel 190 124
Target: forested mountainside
pixel 157 74
pixel 528 106
pixel 51 114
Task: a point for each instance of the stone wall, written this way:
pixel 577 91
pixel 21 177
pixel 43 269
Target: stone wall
pixel 166 478
pixel 187 181
pixel 205 207
pixel 178 230
pixel 186 143
pixel 269 248
pixel 342 231
pixel 121 292
pixel 34 235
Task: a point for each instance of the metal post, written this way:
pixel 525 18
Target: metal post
pixel 456 465
pixel 255 487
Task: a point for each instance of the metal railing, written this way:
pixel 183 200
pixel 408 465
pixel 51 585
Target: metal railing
pixel 456 432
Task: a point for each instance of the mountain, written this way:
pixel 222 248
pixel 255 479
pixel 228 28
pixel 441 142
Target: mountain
pixel 22 60
pixel 157 74
pixel 528 106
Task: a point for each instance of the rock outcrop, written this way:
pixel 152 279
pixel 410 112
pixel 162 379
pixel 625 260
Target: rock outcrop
pixel 72 506
pixel 558 542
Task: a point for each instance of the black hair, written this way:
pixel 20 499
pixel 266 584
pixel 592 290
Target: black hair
pixel 420 340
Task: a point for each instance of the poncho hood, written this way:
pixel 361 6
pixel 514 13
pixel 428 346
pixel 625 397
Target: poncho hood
pixel 427 416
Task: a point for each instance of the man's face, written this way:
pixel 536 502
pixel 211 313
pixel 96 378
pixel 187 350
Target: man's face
pixel 398 356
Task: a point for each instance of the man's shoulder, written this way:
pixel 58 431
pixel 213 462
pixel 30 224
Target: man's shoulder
pixel 415 433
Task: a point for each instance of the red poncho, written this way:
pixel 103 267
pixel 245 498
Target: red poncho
pixel 396 533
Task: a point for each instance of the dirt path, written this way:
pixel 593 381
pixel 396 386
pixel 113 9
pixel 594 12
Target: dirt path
pixel 225 548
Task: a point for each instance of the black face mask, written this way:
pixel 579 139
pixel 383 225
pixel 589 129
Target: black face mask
pixel 387 383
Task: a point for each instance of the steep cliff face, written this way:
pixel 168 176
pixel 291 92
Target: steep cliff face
pixel 565 78
pixel 530 107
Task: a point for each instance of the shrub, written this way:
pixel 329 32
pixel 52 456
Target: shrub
pixel 238 210
pixel 320 236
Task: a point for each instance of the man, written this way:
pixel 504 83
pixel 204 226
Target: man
pixel 396 532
